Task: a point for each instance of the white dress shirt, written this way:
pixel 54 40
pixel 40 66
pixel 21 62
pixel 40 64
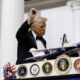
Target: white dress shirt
pixel 38 42
pixel 40 46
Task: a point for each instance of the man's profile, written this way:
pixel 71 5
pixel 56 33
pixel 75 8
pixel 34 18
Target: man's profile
pixel 30 35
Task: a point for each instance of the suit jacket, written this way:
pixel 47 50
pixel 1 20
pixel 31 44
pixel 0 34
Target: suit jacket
pixel 25 42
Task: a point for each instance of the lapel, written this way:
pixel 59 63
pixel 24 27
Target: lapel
pixel 32 39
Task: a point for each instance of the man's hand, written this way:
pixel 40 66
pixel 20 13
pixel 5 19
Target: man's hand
pixel 9 71
pixel 32 15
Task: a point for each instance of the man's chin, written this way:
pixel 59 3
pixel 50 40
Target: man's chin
pixel 40 35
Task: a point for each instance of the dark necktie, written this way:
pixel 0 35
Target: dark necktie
pixel 42 40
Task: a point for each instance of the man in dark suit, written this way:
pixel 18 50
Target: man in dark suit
pixel 31 30
pixel 26 36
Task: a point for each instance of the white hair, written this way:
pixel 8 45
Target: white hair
pixel 37 20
